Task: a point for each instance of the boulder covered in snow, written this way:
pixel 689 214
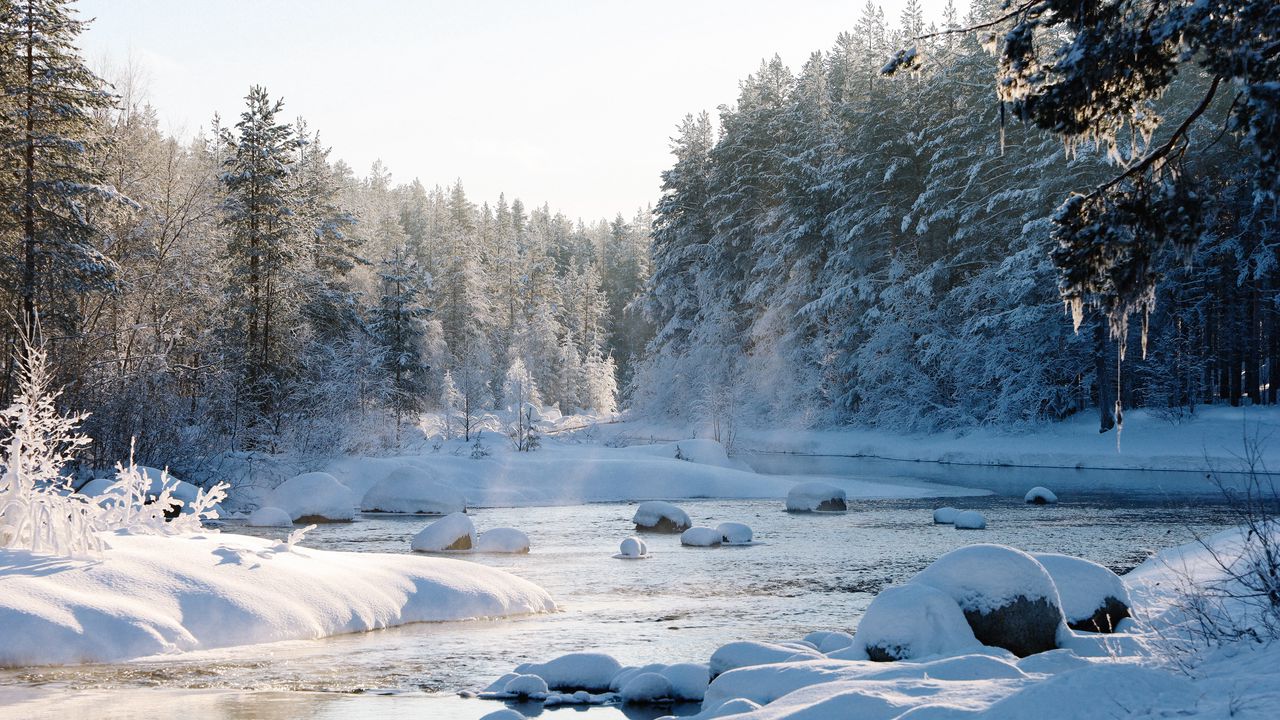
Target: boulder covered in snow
pixel 969 520
pixel 912 621
pixel 647 688
pixel 748 653
pixel 632 548
pixel 526 686
pixel 450 533
pixel 315 497
pixel 412 490
pixel 576 671
pixel 1006 595
pixel 688 681
pixel 1093 598
pixel 1040 496
pixel 502 540
pixel 701 537
pixel 945 515
pixel 733 533
pixel 504 714
pixel 827 641
pixel 660 516
pixel 816 497
pixel 267 516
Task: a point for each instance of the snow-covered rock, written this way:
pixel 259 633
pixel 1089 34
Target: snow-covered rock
pixel 632 548
pixel 945 515
pixel 451 532
pixel 1040 496
pixel 701 537
pixel 660 516
pixel 1007 596
pixel 150 595
pixel 816 497
pixel 267 516
pixel 313 497
pixel 1093 598
pixel 504 714
pixel 576 671
pixel 688 680
pixel 412 490
pixel 912 621
pixel 747 653
pixel 502 540
pixel 646 688
pixel 969 520
pixel 526 686
pixel 734 533
pixel 734 706
pixel 827 641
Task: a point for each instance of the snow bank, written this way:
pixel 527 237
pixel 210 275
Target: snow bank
pixel 313 497
pixel 1040 496
pixel 575 671
pixel 701 537
pixel 632 548
pixel 703 451
pixel 910 622
pixel 269 517
pixel 660 516
pixel 412 490
pixel 502 540
pixel 1092 597
pixel 733 533
pixel 152 594
pixel 969 520
pixel 816 497
pixel 449 533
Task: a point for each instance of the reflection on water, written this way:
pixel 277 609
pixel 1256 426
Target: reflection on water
pixel 809 572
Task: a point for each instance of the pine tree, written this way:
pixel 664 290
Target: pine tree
pixel 398 325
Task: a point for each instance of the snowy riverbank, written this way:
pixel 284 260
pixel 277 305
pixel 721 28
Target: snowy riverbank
pixel 147 595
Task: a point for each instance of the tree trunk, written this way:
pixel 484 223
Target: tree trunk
pixel 1104 379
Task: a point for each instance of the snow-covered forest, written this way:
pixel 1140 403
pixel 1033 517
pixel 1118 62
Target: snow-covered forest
pixel 846 247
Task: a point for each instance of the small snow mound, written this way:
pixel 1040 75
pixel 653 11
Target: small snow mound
pixel 748 653
pixel 1093 598
pixel 660 516
pixel 970 520
pixel 451 532
pixel 504 714
pixel 646 688
pixel 732 533
pixel 945 515
pixel 575 671
pixel 816 497
pixel 313 497
pixel 526 686
pixel 632 548
pixel 734 706
pixel 412 490
pixel 1040 496
pixel 267 516
pixel 701 537
pixel 827 641
pixel 913 621
pixel 502 540
pixel 688 681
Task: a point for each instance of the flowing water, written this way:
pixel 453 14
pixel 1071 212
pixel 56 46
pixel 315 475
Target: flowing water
pixel 807 572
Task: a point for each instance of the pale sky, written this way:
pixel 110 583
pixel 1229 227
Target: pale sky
pixel 571 103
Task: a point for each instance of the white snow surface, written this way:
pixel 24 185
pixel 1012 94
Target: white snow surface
pixel 269 517
pixel 701 537
pixel 747 653
pixel 988 577
pixel 650 513
pixel 1083 586
pixel 441 535
pixel 315 494
pixel 807 496
pixel 502 540
pixel 149 595
pixel 912 621
pixel 412 490
pixel 969 520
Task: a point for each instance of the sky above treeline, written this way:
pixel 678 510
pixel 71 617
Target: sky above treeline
pixel 571 103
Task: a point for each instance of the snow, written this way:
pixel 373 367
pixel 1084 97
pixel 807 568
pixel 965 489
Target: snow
pixel 747 653
pixel 576 671
pixel 526 686
pixel 450 533
pixel 660 514
pixel 312 497
pixel 646 688
pixel 827 641
pixel 181 490
pixel 269 517
pixel 412 490
pixel 502 540
pixel 632 548
pixel 701 537
pixel 688 680
pixel 703 451
pixel 734 533
pixel 969 520
pixel 910 622
pixel 945 515
pixel 1083 586
pixel 503 714
pixel 1040 496
pixel 1112 690
pixel 985 578
pixel 148 595
pixel 816 496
